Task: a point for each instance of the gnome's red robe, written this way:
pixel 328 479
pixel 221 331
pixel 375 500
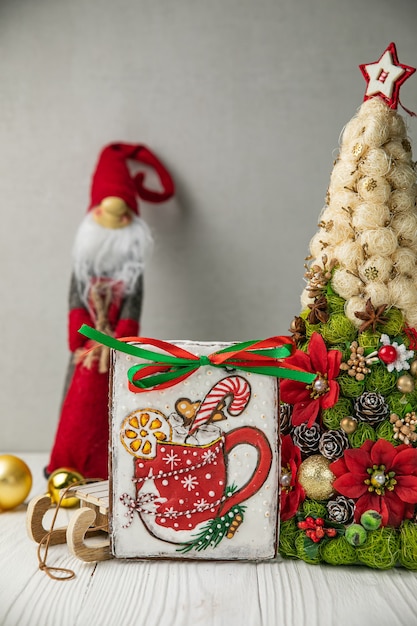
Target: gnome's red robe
pixel 82 438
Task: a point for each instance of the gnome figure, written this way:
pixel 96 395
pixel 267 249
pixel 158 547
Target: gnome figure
pixel 106 293
pixel 349 448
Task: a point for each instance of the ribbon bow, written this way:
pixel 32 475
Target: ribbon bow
pixel 166 370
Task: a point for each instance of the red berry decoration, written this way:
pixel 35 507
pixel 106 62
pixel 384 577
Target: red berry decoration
pixel 387 354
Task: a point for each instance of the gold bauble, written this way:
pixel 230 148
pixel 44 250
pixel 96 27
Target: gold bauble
pixel 61 479
pixel 405 384
pixel 316 478
pixel 15 481
pixel 348 424
pixel 413 368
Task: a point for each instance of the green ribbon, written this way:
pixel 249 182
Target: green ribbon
pixel 165 370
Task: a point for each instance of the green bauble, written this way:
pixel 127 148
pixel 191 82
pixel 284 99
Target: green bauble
pixel 287 535
pixel 394 324
pixel 381 550
pixel 331 417
pixel 371 520
pixel 338 552
pixel 350 387
pixel 355 535
pixel 408 542
pixel 361 434
pixel 380 380
pixel 338 330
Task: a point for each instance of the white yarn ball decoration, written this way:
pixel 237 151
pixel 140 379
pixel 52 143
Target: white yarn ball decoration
pixel 356 303
pixel 379 241
pixel 376 269
pixel 404 262
pixel 403 293
pixel 370 215
pixel 401 176
pixel 402 200
pixel 379 294
pixel 375 163
pixel 349 254
pixel 344 284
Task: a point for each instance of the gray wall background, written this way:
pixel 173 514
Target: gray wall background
pixel 243 99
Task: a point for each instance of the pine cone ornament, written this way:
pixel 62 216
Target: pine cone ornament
pixel 333 443
pixel 341 510
pixel 285 412
pixel 307 439
pixel 371 407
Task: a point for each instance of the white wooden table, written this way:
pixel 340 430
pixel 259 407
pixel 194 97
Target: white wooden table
pixel 179 594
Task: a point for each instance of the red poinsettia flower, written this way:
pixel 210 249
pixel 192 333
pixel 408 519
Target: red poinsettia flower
pixel 292 492
pixel 323 392
pixel 381 477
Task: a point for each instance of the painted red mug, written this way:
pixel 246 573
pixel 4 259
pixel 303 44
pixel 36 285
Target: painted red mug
pixel 185 485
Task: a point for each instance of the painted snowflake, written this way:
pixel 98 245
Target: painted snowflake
pixel 209 456
pixel 189 482
pixel 171 459
pixel 170 512
pixel 202 505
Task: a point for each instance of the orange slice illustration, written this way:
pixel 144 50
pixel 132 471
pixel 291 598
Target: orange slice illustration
pixel 142 429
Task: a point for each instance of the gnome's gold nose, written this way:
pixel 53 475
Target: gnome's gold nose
pixel 112 212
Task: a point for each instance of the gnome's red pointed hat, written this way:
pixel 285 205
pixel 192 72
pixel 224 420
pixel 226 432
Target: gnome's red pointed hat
pixel 112 176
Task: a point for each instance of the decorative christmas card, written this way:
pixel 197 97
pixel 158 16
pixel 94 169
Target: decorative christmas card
pixel 195 465
pixel 194 446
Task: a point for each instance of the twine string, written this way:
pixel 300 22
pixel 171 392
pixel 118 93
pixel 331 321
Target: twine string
pixel 68 574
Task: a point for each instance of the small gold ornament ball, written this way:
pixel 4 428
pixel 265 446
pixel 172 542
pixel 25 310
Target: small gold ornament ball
pixel 316 478
pixel 349 425
pixel 405 384
pixel 15 481
pixel 293 325
pixel 413 368
pixel 61 479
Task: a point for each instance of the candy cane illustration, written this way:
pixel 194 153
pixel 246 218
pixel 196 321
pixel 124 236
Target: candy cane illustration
pixel 236 387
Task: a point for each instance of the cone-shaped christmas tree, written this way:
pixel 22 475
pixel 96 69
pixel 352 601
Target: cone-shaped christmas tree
pixel 349 440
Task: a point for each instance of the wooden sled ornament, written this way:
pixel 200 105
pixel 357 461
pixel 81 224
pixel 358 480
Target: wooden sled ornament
pixel 90 520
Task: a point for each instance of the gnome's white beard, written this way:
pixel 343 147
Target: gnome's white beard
pixel 115 253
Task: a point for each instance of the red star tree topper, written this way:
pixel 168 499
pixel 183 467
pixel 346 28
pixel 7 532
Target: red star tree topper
pixel 385 77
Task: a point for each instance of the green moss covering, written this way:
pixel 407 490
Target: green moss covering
pixel 386 431
pixel 331 417
pixel 397 403
pixel 339 329
pixel 394 324
pixel 314 508
pixel 338 552
pixel 408 545
pixel 381 550
pixel 335 303
pixel 361 434
pixel 380 380
pixel 369 340
pixel 349 386
pixel 287 536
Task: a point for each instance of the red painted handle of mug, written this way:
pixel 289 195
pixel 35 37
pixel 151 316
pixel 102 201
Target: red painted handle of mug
pixel 256 438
